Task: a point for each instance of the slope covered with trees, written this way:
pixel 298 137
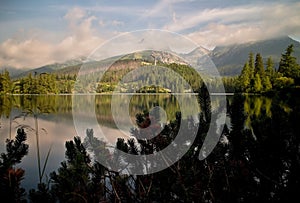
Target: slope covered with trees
pixel 64 81
pixel 257 76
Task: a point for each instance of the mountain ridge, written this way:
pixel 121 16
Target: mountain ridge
pixel 229 59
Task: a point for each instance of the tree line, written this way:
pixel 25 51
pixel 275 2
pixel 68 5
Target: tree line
pixel 256 77
pixel 60 83
pixel 43 83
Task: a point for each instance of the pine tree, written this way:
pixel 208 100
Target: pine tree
pixel 257 84
pixel 251 64
pixel 259 65
pixel 260 71
pixel 11 177
pixel 288 65
pixel 73 177
pixel 267 83
pixel 270 71
pixel 245 78
pixel 5 82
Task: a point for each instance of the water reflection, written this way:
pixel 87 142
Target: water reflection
pixel 274 122
pixel 55 125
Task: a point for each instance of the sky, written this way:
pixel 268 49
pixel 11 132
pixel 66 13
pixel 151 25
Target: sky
pixel 36 33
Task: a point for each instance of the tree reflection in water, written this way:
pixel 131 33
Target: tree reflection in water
pixel 257 159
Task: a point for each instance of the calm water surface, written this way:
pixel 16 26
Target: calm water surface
pixel 55 121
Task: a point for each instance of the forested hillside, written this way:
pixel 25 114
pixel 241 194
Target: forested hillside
pixel 258 75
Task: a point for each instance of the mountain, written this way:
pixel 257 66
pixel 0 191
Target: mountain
pixel 50 68
pixel 132 60
pixel 230 59
pixel 13 72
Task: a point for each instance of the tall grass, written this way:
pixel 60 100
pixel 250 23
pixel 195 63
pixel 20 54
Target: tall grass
pixel 36 130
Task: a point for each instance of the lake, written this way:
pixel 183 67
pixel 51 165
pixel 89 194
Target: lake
pixel 55 124
pixel 53 116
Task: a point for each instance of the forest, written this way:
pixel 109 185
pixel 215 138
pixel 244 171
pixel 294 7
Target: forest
pixel 257 76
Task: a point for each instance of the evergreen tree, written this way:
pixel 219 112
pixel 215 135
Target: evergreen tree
pixel 288 66
pixel 77 180
pixel 251 64
pixel 245 78
pixel 270 71
pixel 5 82
pixel 267 83
pixel 257 84
pixel 11 177
pixel 259 65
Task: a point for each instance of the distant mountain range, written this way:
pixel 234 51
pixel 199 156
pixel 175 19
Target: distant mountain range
pixel 50 68
pixel 229 60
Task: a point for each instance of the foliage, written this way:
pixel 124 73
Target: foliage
pixel 257 159
pixel 74 181
pixel 259 65
pixel 245 78
pixel 5 83
pixel 11 177
pixel 270 71
pixel 99 82
pixel 282 82
pixel 288 66
pixel 257 84
pixel 256 78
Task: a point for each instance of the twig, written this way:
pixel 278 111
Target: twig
pixel 113 187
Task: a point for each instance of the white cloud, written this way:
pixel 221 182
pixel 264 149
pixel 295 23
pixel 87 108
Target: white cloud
pixel 75 14
pixel 80 41
pixel 220 34
pixel 101 23
pixel 117 23
pixel 207 27
pixel 226 15
pixel 158 8
pixel 239 24
pixel 25 53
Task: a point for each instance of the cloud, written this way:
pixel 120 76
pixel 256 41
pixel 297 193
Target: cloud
pixel 227 15
pixel 211 27
pixel 158 8
pixel 208 27
pixel 24 54
pixel 75 14
pixel 220 34
pixel 117 23
pixel 101 23
pixel 174 18
pixel 80 40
